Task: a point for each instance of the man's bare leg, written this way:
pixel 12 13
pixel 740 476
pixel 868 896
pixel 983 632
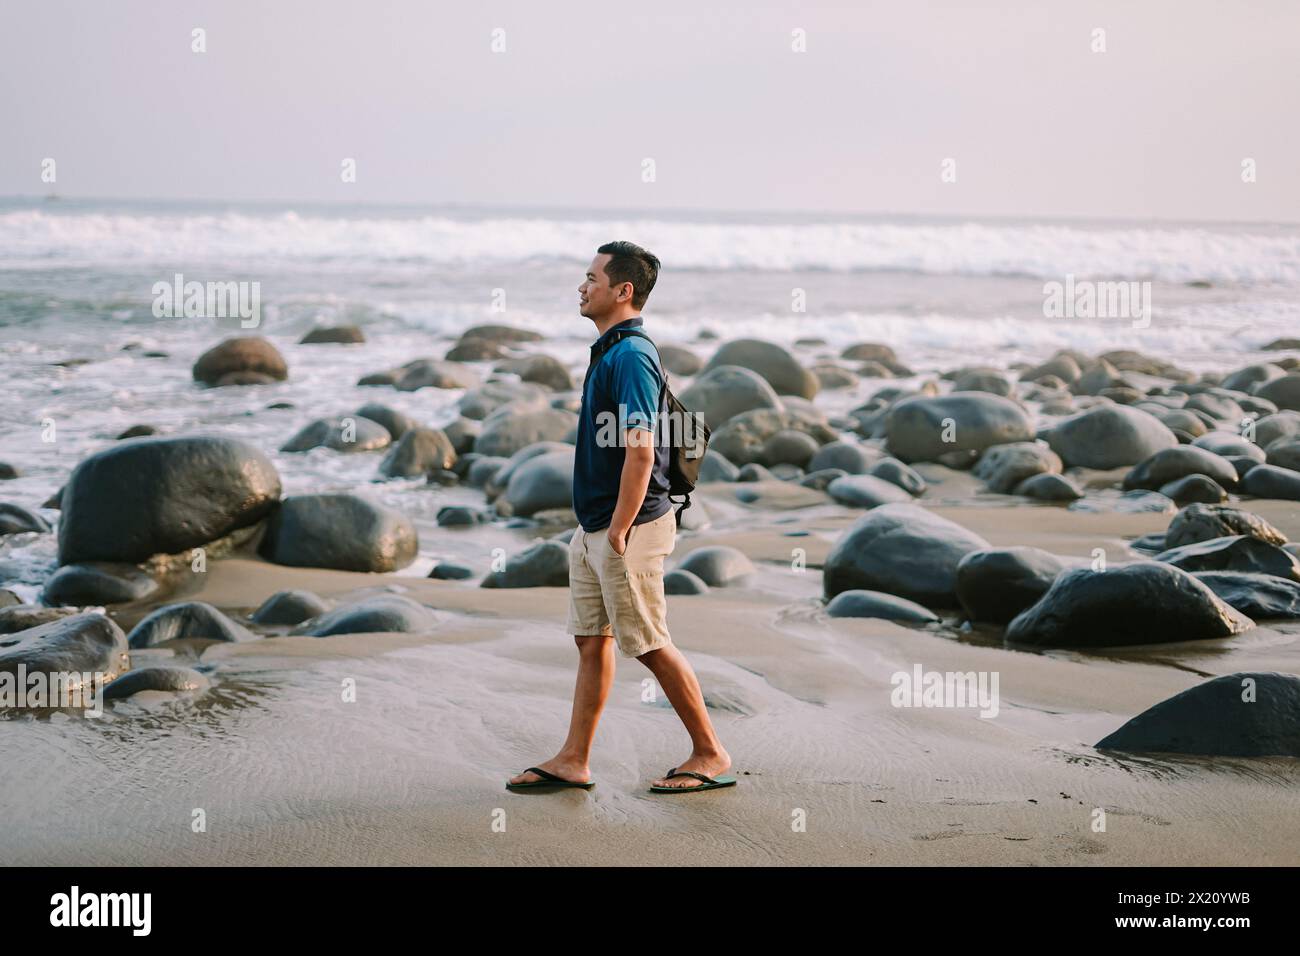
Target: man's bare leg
pixel 677 678
pixel 595 677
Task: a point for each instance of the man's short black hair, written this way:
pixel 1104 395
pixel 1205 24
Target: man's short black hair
pixel 631 263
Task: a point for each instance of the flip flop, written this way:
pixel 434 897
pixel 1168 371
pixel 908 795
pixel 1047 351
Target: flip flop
pixel 709 782
pixel 548 780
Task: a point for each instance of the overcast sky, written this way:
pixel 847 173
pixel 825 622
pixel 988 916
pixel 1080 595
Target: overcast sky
pixel 1038 124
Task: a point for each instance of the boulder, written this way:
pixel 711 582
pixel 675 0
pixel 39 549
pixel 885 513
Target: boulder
pixel 877 604
pixel 718 566
pixel 191 619
pixel 1049 487
pixel 725 391
pixel 15 519
pixel 380 614
pixel 1194 489
pixel 75 644
pixel 901 549
pixel 97 583
pixel 1237 715
pixel 781 370
pixel 1109 436
pixel 503 435
pixel 153 496
pixel 1270 481
pixel 290 607
pixel 1234 553
pixel 995 585
pixel 418 452
pixel 851 457
pixel 1258 596
pixel 1201 522
pixel 248 359
pixel 1170 464
pixel 1004 467
pixel 741 439
pixel 545 564
pixel 961 423
pixel 684 582
pixel 1145 603
pixel 434 373
pixel 542 482
pixel 333 335
pixel 895 472
pixel 396 423
pixel 339 531
pixel 865 491
pixel 167 678
pixel 348 434
pixel 1283 392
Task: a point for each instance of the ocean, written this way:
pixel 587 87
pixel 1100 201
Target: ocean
pixel 77 285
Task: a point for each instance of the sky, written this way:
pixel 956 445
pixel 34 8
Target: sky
pixel 585 96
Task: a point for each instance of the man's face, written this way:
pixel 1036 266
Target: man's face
pixel 596 297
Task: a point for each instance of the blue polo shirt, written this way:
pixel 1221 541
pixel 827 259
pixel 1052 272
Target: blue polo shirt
pixel 622 392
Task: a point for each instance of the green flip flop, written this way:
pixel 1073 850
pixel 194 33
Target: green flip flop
pixel 548 780
pixel 709 783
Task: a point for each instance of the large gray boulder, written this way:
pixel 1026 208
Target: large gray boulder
pixel 350 434
pixel 743 439
pixel 505 434
pixel 997 584
pixel 418 452
pixel 1234 553
pixel 1258 596
pixel 150 496
pixel 1283 392
pixel 1170 464
pixel 877 604
pixel 1109 436
pixel 1145 603
pixel 781 369
pixel 959 424
pixel 1201 522
pixel 542 482
pixel 339 531
pixel 242 360
pixel 865 491
pixel 1237 715
pixel 726 391
pixel 545 564
pixel 98 582
pixel 1004 467
pixel 1270 481
pixel 380 614
pixel 901 549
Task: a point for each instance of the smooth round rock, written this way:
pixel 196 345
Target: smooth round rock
pixel 1004 467
pixel 718 566
pixel 877 604
pixel 1194 489
pixel 997 584
pixel 1172 464
pixel 684 582
pixel 418 452
pixel 901 549
pixel 1258 596
pixel 249 355
pixel 1270 481
pixel 191 619
pixel 381 614
pixel 1049 487
pixel 96 583
pixel 545 564
pixel 1234 553
pixel 1109 436
pixel 339 531
pixel 1237 715
pixel 865 491
pixel 152 496
pixel 290 607
pixel 1202 522
pixel 161 677
pixel 918 429
pixel 1131 604
pixel 89 643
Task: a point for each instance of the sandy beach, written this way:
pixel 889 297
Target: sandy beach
pixel 412 772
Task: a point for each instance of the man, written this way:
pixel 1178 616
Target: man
pixel 627 526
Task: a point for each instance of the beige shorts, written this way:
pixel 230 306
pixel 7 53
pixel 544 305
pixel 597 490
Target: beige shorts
pixel 622 594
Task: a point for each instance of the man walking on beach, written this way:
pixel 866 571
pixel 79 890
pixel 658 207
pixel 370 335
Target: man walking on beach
pixel 627 527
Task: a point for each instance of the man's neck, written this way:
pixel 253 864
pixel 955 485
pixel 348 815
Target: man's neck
pixel 605 325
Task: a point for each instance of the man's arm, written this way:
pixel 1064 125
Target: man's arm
pixel 638 463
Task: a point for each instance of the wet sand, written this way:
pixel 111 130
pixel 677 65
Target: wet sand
pixel 287 772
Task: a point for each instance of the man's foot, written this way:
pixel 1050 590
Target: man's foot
pixel 708 764
pixel 564 768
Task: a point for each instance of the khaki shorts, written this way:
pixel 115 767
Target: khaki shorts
pixel 622 594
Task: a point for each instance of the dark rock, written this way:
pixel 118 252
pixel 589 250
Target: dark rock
pixel 820 480
pixel 865 491
pixel 1269 481
pixel 725 391
pixel 1283 392
pixel 718 566
pixel 503 435
pixel 540 483
pixel 160 677
pixel 96 583
pixel 917 428
pixel 684 582
pixel 997 584
pixel 877 604
pixel 1199 522
pixel 137 431
pixel 23 617
pixel 901 549
pixel 350 434
pixel 1004 467
pixel 545 564
pixel 339 531
pixel 1258 596
pixel 459 516
pixel 78 643
pixel 715 467
pixel 338 334
pixel 1109 436
pixel 853 458
pixel 418 452
pixel 1237 715
pixel 249 355
pixel 1144 603
pixel 1194 489
pixel 381 614
pixel 447 571
pixel 788 446
pixel 1049 487
pixel 15 519
pixel 1173 463
pixel 781 370
pixel 1235 553
pixel 896 473
pixel 290 607
pixel 394 422
pixel 192 619
pixel 434 373
pixel 163 496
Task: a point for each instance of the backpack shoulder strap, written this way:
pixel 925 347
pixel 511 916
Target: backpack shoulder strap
pixel 663 373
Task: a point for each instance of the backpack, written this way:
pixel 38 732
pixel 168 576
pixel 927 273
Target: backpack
pixel 688 434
